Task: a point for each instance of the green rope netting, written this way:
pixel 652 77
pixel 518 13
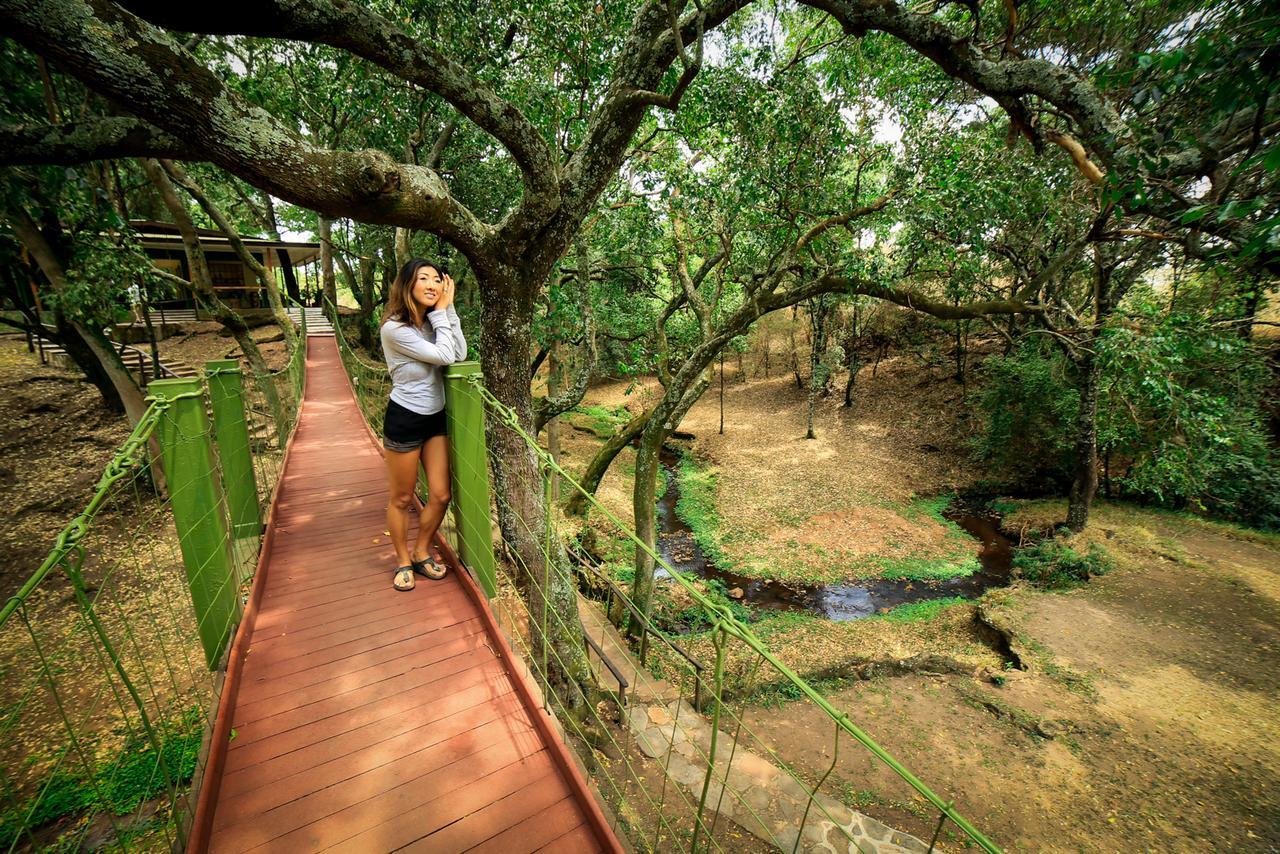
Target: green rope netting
pixel 105 692
pixel 654 800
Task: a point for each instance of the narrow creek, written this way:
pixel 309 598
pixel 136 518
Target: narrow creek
pixel 835 601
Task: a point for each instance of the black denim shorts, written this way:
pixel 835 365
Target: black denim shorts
pixel 406 430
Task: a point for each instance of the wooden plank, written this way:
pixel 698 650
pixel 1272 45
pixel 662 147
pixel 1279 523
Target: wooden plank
pixel 366 817
pixel 428 747
pixel 472 787
pixel 537 832
pixel 514 812
pixel 462 648
pixel 257 688
pixel 460 671
pixel 340 734
pixel 406 605
pixel 366 718
pixel 576 841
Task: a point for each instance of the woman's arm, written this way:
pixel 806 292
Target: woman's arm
pixel 403 340
pixel 459 341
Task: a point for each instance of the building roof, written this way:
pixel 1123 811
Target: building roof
pixel 153 234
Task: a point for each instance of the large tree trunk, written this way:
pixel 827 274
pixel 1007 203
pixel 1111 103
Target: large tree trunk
pixel 644 494
pixel 77 348
pixel 818 311
pixel 666 417
pixel 599 464
pixel 330 284
pixel 290 277
pixel 264 276
pixel 88 347
pixel 553 424
pixel 402 236
pixel 854 365
pixel 548 585
pixel 851 361
pixel 368 276
pixel 1085 482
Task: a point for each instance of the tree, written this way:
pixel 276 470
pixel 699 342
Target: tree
pixel 560 129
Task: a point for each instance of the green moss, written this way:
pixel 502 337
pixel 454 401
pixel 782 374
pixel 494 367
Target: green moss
pixel 696 507
pixel 134 775
pixel 602 421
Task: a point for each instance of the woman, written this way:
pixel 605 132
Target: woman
pixel 420 334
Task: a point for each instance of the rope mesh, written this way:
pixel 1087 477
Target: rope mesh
pixel 672 752
pixel 106 696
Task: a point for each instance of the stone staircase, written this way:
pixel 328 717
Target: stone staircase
pixel 137 361
pixel 317 322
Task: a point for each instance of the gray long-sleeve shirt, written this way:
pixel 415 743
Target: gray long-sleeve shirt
pixel 415 357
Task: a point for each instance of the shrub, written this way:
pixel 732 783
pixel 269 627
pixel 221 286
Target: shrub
pixel 1054 565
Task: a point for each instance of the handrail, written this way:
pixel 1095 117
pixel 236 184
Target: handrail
pixel 726 623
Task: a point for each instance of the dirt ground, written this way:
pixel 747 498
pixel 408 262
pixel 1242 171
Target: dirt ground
pixel 1156 685
pixel 1146 718
pixel 814 509
pixel 198 343
pixel 55 438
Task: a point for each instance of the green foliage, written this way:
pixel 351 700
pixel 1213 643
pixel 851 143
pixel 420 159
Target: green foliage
pixel 1179 412
pixel 117 786
pixel 1182 409
pixel 1027 405
pixel 602 421
pixel 679 615
pixel 696 507
pixel 1054 565
pixel 921 612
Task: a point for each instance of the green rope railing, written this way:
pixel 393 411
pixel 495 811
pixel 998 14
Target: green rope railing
pixel 106 683
pixel 677 810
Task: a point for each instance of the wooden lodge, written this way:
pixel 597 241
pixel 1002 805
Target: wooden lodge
pixel 234 281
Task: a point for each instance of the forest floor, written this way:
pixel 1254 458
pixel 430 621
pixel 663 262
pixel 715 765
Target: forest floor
pixel 1136 712
pixel 846 504
pixel 1144 720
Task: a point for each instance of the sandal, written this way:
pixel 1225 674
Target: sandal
pixel 403 578
pixel 429 567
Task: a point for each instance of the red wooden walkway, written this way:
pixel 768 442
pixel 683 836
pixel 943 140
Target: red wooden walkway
pixel 361 718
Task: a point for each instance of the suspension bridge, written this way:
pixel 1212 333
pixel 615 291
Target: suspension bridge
pixel 212 658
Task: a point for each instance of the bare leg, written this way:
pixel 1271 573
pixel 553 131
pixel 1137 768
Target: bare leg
pixel 435 460
pixel 402 476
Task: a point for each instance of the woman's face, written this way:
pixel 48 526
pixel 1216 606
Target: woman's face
pixel 427 287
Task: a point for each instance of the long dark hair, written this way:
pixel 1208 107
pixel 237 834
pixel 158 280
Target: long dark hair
pixel 401 305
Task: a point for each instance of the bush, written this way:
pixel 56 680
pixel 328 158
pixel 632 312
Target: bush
pixel 1054 565
pixel 1026 404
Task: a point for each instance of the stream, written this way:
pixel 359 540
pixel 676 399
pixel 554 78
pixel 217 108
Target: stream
pixel 835 601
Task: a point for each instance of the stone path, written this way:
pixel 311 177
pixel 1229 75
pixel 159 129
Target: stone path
pixel 748 789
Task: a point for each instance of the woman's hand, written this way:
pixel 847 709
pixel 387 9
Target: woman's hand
pixel 446 294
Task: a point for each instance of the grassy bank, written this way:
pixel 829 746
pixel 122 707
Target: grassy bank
pixel 907 540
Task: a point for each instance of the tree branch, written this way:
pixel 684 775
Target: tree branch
pixel 123 57
pixel 92 139
pixel 353 27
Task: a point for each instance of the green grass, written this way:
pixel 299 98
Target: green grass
pixel 602 421
pixel 696 507
pixel 956 557
pixel 1053 565
pixel 117 786
pixel 921 612
pixel 1105 512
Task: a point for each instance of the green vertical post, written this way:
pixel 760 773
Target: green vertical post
pixel 197 501
pixel 469 467
pixel 231 431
